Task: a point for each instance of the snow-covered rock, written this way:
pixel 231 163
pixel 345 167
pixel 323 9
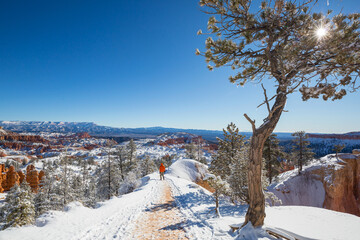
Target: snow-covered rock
pixel 331 182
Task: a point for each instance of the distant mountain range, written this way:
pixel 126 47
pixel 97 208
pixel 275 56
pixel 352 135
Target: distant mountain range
pixel 104 131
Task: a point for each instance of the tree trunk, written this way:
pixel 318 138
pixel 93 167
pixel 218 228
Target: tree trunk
pixel 270 163
pixel 217 211
pixel 256 210
pixel 301 155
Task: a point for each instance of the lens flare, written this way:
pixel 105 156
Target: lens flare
pixel 321 32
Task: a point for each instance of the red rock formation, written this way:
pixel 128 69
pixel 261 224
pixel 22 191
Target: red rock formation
pixel 162 144
pixel 343 194
pixel 340 178
pixel 2 154
pixel 91 146
pixel 14 145
pixel 351 136
pixel 41 175
pixel 18 142
pixel 12 178
pixel 21 175
pixel 32 177
pixel 286 166
pixel 1 177
pixel 197 140
pixel 2 168
pixel 1 189
pixel 3 171
pixel 11 136
pixel 83 135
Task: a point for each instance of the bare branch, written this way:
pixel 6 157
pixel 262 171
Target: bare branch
pixel 250 121
pixel 266 98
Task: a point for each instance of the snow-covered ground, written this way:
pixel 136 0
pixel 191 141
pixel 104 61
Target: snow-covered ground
pixel 115 219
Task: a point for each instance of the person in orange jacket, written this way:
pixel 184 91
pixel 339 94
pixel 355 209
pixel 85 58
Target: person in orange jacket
pixel 162 171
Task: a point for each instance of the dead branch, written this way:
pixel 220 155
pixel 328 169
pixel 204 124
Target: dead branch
pixel 250 121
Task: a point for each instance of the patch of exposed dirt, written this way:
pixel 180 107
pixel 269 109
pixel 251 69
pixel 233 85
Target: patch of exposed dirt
pixel 162 221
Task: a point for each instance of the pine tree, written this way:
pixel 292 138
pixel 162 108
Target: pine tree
pixel 78 188
pixel 84 171
pixel 301 152
pixel 147 166
pixel 19 206
pixel 199 151
pixel 194 151
pixel 41 200
pixel 90 195
pixel 338 148
pixel 220 186
pixel 272 153
pixel 276 41
pixel 131 149
pixel 109 177
pixel 121 161
pixel 191 151
pixel 48 197
pixel 238 178
pixel 229 149
pixel 166 160
pixel 63 188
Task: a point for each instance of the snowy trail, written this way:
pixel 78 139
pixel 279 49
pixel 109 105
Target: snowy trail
pixel 113 220
pixel 162 221
pixel 157 208
pixel 196 228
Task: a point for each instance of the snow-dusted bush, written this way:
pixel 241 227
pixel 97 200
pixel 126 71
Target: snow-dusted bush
pixel 130 183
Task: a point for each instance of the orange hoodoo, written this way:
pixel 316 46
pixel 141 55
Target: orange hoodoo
pixel 2 168
pixel 21 175
pixel 12 178
pixel 1 177
pixel 32 177
pixel 41 175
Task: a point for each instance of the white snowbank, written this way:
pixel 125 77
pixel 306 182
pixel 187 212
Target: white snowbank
pixel 314 223
pixel 188 169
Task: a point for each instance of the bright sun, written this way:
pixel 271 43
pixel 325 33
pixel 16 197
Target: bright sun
pixel 321 32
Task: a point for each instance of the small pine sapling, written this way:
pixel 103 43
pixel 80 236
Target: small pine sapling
pixel 191 152
pixel 221 188
pixel 338 148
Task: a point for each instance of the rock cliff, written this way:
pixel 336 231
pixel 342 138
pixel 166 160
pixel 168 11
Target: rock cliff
pixel 332 183
pixel 11 136
pixel 343 192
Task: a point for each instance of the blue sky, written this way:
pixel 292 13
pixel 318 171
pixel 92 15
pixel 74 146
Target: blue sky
pixel 132 64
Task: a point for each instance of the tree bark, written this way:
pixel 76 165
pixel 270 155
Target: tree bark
pixel 256 210
pixel 269 162
pixel 217 211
